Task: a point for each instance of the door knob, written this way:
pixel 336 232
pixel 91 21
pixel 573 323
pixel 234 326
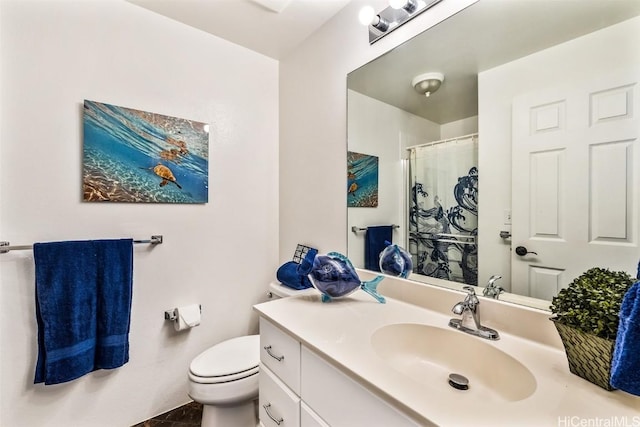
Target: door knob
pixel 522 251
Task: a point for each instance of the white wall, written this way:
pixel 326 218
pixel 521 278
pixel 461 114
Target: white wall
pixel 313 120
pixel 379 129
pixel 583 58
pixel 460 127
pixel 222 254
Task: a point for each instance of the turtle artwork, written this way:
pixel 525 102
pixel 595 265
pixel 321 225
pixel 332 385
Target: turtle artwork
pixel 165 173
pixel 136 156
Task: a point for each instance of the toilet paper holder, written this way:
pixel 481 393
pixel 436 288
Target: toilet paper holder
pixel 172 315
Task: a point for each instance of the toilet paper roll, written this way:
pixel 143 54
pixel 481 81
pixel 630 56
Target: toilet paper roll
pixel 187 317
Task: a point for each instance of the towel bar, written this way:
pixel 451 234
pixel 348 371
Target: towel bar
pixel 5 247
pixel 356 229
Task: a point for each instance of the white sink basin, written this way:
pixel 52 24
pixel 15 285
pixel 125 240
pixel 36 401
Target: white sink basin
pixel 428 354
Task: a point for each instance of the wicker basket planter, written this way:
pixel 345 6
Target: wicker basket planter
pixel 589 356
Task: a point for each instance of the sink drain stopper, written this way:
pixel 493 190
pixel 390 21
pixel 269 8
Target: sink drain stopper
pixel 458 381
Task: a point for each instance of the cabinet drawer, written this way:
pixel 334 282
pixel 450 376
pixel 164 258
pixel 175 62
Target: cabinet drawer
pixel 279 406
pixel 281 353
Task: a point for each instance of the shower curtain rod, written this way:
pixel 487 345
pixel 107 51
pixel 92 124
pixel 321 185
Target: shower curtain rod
pixel 4 246
pixel 442 141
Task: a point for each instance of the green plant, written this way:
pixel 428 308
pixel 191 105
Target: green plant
pixel 591 302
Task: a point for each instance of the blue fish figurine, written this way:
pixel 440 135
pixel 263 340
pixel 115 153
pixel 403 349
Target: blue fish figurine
pixel 335 277
pixel 395 261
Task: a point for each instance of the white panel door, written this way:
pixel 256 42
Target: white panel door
pixel 576 182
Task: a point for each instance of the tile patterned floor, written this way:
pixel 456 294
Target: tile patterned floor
pixel 188 415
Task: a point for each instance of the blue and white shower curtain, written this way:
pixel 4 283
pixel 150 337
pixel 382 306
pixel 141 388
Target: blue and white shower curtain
pixel 443 209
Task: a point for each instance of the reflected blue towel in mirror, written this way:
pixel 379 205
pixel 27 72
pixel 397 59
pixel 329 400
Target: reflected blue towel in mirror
pixel 375 241
pixel 83 307
pixel 625 366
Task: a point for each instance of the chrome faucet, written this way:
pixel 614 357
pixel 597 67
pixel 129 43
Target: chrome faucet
pixel 492 290
pixel 469 309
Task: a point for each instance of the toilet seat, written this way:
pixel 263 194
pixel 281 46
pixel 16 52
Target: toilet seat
pixel 223 378
pixel 230 360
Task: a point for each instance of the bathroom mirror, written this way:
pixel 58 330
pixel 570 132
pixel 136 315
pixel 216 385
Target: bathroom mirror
pixel 514 72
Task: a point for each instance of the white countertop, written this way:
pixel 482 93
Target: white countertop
pixel 341 331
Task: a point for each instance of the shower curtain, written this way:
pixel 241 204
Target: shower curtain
pixel 443 209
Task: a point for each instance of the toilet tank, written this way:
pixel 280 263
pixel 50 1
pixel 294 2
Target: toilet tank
pixel 278 290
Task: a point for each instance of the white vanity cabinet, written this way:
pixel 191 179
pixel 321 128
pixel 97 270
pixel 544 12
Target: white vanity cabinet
pixel 342 401
pixel 298 388
pixel 280 353
pixel 308 417
pixel 278 404
pixel 279 378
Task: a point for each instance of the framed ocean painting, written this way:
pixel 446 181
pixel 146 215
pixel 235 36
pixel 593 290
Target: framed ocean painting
pixel 362 180
pixel 136 156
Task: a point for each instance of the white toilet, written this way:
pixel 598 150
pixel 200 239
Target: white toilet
pixel 224 378
pixel 277 290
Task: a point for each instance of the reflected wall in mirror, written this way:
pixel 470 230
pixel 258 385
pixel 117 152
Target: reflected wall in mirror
pixel 550 88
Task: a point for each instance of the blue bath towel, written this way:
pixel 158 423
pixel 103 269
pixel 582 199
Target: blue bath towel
pixel 625 366
pixel 83 307
pixel 375 241
pixel 288 275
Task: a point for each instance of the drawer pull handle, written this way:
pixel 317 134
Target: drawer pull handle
pixel 278 358
pixel 275 420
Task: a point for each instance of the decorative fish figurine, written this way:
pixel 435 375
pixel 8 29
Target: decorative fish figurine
pixel 335 277
pixel 395 261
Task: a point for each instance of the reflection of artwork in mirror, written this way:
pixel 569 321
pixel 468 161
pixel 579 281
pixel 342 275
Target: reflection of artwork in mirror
pixel 362 180
pixel 136 156
pixel 443 210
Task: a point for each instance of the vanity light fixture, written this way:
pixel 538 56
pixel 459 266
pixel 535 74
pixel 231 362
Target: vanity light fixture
pixel 398 13
pixel 380 23
pixel 426 84
pixel 368 16
pixel 409 6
